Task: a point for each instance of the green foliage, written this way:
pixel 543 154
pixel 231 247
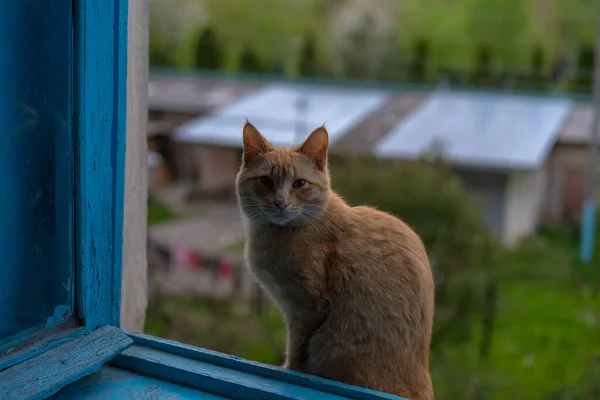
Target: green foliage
pixel 536 339
pixel 430 199
pixel 394 61
pixel 482 74
pixel 308 57
pixel 250 63
pixel 417 69
pixel 358 55
pixel 583 81
pixel 501 24
pixel 269 32
pixel 430 37
pixel 223 327
pixel 507 321
pixel 538 74
pixel 159 213
pixel 208 55
pixel 159 56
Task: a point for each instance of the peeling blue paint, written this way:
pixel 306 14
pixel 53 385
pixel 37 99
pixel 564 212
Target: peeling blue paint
pixel 100 84
pixel 47 373
pixel 116 383
pixel 61 313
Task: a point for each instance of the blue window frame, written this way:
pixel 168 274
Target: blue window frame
pixel 73 348
pixel 63 143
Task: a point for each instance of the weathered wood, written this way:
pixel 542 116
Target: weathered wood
pixel 115 383
pixel 231 376
pixel 100 113
pixel 210 377
pixel 47 373
pixel 38 343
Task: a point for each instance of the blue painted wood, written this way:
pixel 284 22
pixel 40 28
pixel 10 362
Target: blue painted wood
pixel 47 373
pixel 214 378
pixel 35 344
pixel 588 226
pixel 115 383
pixel 100 108
pixel 36 156
pixel 187 353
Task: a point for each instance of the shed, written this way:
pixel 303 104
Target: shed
pixel 285 113
pixel 174 99
pixel 498 144
pixel 568 167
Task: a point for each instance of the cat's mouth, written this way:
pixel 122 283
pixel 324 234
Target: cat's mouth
pixel 281 217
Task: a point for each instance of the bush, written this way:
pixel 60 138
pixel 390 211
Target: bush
pixel 208 55
pixel 308 58
pixel 583 80
pixel 250 63
pixel 417 69
pixel 158 55
pixel 538 76
pixel 482 73
pixel 428 197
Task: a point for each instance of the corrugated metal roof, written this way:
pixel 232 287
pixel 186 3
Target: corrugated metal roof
pixel 480 130
pixel 194 95
pixel 273 110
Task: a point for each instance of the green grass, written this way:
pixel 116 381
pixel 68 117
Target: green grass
pixel 546 342
pixel 228 328
pixel 545 337
pixel 158 213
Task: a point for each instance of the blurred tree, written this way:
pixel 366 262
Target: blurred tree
pixel 271 31
pixel 359 52
pixel 417 69
pixel 461 249
pixel 250 63
pixel 442 25
pixel 158 55
pixel 308 57
pixel 575 23
pixel 505 26
pixel 482 73
pixel 393 64
pixel 584 71
pixel 538 74
pixel 208 55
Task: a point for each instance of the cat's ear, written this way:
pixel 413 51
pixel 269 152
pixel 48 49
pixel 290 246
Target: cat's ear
pixel 254 143
pixel 315 147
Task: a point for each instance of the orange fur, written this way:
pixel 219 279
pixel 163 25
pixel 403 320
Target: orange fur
pixel 353 283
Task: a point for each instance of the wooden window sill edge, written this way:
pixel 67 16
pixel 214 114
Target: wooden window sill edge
pixel 71 356
pixel 228 375
pixel 110 363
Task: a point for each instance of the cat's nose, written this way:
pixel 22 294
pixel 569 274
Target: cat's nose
pixel 280 204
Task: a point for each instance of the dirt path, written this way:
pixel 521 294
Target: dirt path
pixel 218 227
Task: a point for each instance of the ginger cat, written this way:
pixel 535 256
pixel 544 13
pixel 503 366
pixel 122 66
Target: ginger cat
pixel 353 283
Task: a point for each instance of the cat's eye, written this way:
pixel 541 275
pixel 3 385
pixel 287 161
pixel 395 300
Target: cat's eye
pixel 298 183
pixel 265 180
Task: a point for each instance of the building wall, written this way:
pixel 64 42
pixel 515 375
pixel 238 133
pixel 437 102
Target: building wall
pixel 511 202
pixel 489 188
pixel 522 208
pixel 215 167
pixel 134 288
pixel 567 180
